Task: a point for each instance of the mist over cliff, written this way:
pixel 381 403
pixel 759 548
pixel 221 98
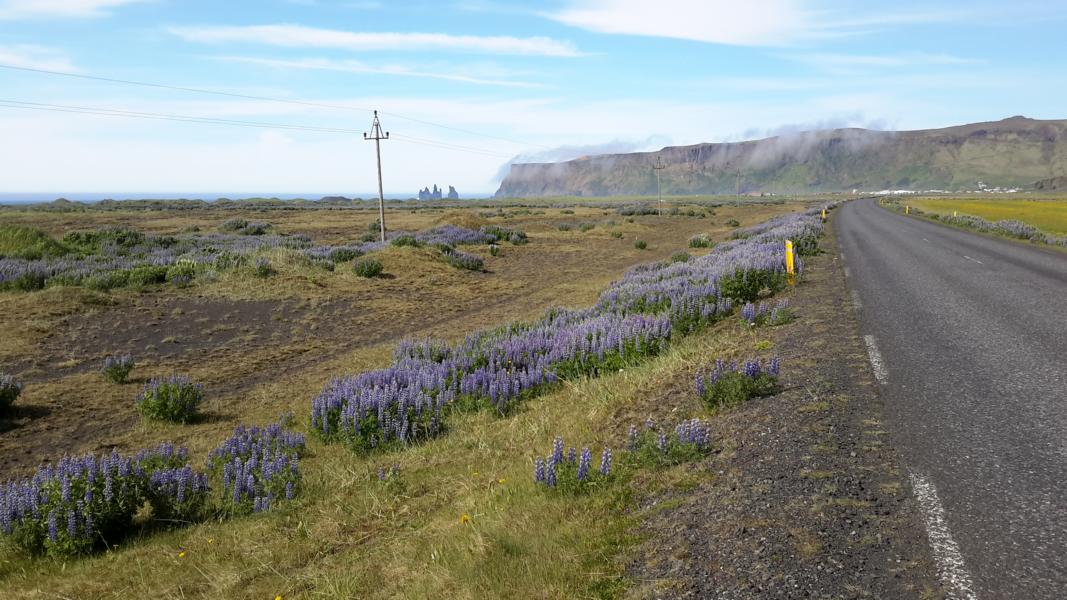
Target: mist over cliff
pixel 1015 152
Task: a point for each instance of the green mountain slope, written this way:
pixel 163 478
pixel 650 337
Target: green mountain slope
pixel 1014 152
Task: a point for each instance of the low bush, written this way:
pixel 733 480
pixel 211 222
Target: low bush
pixel 9 391
pixel 572 472
pixel 117 368
pixel 145 275
pixel 762 315
pixel 586 227
pixel 84 503
pixel 564 227
pixel 680 257
pixel 405 240
pixel 175 399
pixel 689 441
pixel 616 234
pixel 640 244
pixel 733 223
pixel 263 268
pixel 729 385
pixel 494 250
pixel 367 267
pixel 19 241
pixel 244 226
pixel 257 468
pixel 701 240
pixel 462 260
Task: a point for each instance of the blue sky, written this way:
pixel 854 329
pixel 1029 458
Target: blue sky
pixel 466 86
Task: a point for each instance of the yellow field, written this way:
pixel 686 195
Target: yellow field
pixel 1049 216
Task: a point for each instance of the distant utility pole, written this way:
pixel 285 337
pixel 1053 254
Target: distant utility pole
pixel 376 135
pixel 739 188
pixel 656 168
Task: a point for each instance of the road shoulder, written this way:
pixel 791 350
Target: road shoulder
pixel 807 498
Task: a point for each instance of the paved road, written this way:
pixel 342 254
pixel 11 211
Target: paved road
pixel 971 334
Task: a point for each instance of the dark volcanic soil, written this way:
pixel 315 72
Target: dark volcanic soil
pixel 806 499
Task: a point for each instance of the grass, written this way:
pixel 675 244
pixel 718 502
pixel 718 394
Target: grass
pixel 348 535
pixel 1047 215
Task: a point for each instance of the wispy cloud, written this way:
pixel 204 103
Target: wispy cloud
pixel 859 64
pixel 355 66
pixel 570 152
pixel 36 57
pixel 298 36
pixel 28 9
pixel 764 23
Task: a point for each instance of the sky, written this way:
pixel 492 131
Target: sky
pixel 467 87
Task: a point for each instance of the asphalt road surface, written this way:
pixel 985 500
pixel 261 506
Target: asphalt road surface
pixel 968 339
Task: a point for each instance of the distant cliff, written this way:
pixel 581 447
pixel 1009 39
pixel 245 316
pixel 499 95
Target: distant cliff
pixel 1015 152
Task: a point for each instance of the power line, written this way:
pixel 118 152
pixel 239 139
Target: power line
pixel 261 98
pixel 110 112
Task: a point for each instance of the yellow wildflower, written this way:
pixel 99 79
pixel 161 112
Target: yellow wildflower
pixel 464 519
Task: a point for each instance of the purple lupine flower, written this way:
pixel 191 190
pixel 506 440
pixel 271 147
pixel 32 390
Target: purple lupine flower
pixel 557 451
pixel 572 455
pixel 539 470
pixel 748 313
pixel 53 527
pixel 605 462
pixel 775 366
pixel 631 437
pixel 583 464
pixel 662 443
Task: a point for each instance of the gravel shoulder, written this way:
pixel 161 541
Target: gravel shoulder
pixel 806 498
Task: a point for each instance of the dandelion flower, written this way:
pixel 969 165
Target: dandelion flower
pixel 181 554
pixel 501 481
pixel 464 519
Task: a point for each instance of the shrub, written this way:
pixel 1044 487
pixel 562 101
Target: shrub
pixel 680 257
pixel 640 244
pixel 370 236
pixel 564 227
pixel 746 285
pixel 181 272
pixel 176 399
pixel 494 250
pixel 108 280
pixel 263 267
pixel 244 226
pixel 500 234
pixel 566 211
pixel 701 240
pixel 462 260
pixel 616 234
pixel 145 275
pixel 367 267
pixel 9 391
pixel 637 210
pixel 763 315
pixel 84 503
pixel 345 254
pixel 405 240
pixel 573 472
pixel 730 385
pixel 375 228
pixel 733 223
pixel 256 468
pixel 117 368
pixel 586 227
pixel 18 241
pixel 689 441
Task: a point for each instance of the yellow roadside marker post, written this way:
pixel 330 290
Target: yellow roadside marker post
pixel 823 215
pixel 955 213
pixel 907 209
pixel 790 262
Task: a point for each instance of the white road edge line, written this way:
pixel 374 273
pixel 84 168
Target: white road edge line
pixel 950 563
pixel 877 363
pixel 856 300
pixel 847 272
pixel 974 259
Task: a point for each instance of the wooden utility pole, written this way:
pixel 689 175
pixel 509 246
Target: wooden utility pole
pixel 656 168
pixel 376 135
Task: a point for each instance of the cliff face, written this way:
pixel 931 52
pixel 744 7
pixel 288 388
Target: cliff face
pixel 1015 152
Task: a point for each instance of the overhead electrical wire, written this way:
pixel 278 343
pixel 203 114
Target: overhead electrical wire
pixel 262 98
pixel 112 112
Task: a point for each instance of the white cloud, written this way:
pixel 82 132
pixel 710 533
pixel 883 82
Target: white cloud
pixel 769 22
pixel 763 23
pixel 25 9
pixel 355 66
pixel 298 36
pixel 30 56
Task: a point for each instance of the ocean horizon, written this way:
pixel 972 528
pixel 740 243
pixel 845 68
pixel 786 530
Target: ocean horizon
pixel 38 197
